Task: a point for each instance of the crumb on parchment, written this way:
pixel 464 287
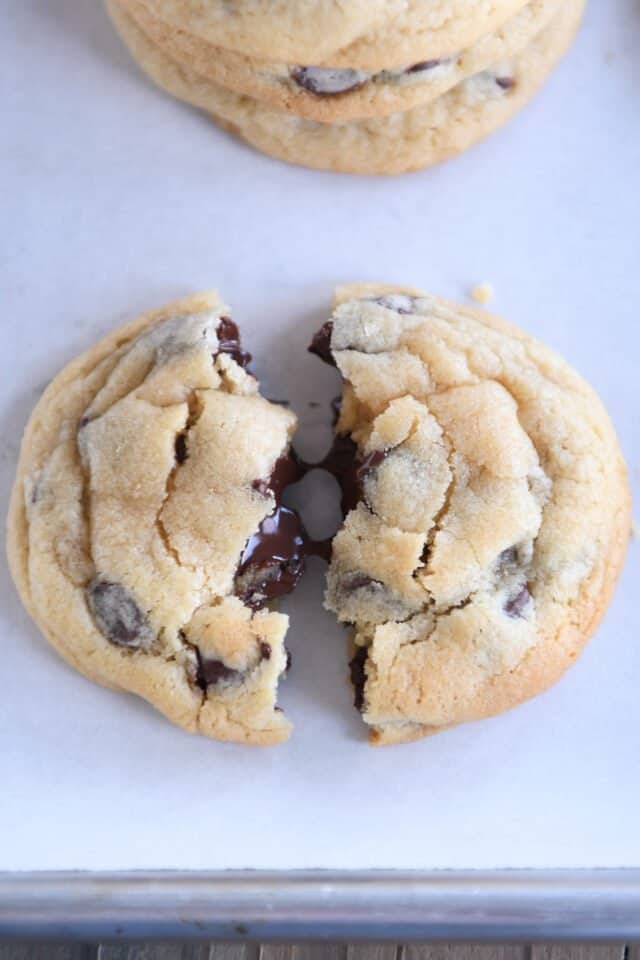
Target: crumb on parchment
pixel 482 292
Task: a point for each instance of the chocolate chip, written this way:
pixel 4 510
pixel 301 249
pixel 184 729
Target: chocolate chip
pixel 229 342
pixel 265 650
pixel 212 672
pixel 358 581
pixel 400 302
pixel 506 83
pixel 272 562
pixel 117 615
pixel 358 676
pixel 327 81
pixel 321 343
pixel 181 448
pixel 508 557
pixel 515 605
pixel 426 65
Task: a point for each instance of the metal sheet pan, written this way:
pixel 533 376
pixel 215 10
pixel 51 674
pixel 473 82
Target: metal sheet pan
pixel 376 906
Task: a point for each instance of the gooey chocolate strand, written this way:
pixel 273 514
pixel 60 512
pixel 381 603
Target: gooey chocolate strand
pixel 273 559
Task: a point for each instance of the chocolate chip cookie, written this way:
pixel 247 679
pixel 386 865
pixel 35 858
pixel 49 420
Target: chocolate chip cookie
pixel 402 141
pixel 487 510
pixel 331 94
pixel 146 533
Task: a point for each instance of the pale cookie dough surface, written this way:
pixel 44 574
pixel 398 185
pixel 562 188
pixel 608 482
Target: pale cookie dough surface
pixel 396 143
pixel 327 94
pixel 494 511
pixel 133 503
pixel 367 34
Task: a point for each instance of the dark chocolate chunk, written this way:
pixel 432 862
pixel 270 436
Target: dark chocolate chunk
pixel 181 447
pixel 358 676
pixel 506 83
pixel 117 615
pixel 229 342
pixel 212 672
pixel 273 560
pixel 515 605
pixel 508 557
pixel 327 81
pixel 265 650
pixel 321 343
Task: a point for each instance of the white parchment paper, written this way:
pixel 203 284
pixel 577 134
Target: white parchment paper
pixel 114 199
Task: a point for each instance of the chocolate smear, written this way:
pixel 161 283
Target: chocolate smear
pixel 321 343
pixel 358 676
pixel 229 342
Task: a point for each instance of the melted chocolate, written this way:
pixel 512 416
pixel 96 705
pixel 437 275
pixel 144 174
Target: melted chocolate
pixel 321 343
pixel 229 342
pixel 358 676
pixel 286 471
pixel 273 560
pixel 350 471
pixel 181 448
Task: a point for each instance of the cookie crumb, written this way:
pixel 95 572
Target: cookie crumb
pixel 482 292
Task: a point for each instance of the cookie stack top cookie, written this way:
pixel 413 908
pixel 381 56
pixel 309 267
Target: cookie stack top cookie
pixel 360 87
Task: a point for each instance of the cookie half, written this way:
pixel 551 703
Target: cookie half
pixel 366 34
pixel 487 510
pixel 328 94
pixel 146 535
pixel 396 143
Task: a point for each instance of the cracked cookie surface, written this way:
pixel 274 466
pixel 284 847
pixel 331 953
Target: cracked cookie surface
pixel 145 530
pixel 492 513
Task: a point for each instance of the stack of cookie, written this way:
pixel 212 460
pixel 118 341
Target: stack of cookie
pixel 367 86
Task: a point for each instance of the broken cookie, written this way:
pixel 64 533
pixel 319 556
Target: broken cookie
pixel 486 506
pixel 146 533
